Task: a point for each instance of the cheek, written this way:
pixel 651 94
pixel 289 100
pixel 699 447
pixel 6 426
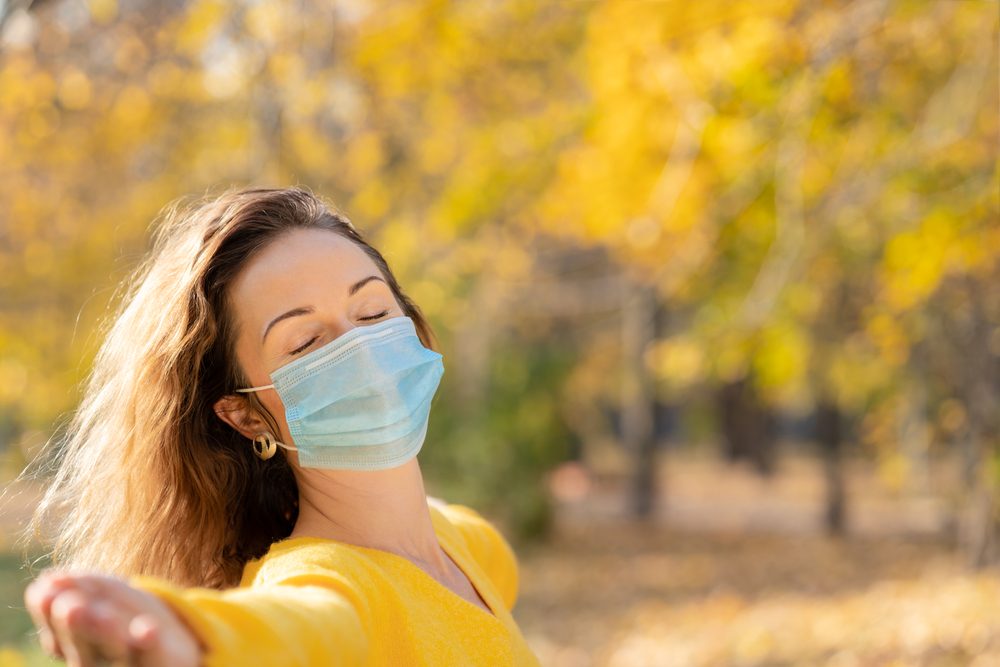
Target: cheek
pixel 277 409
pixel 252 367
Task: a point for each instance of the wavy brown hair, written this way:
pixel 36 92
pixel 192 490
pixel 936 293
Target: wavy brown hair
pixel 147 479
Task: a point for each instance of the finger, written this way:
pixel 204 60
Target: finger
pixel 146 641
pixel 37 600
pixel 106 630
pixel 47 640
pixel 102 633
pixel 159 645
pixel 68 615
pixel 39 593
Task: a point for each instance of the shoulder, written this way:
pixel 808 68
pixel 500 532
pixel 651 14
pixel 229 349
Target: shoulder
pixel 310 560
pixel 486 544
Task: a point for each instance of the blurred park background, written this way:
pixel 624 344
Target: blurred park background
pixel 717 285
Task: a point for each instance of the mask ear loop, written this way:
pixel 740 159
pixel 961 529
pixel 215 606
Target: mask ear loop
pixel 252 389
pixel 288 447
pixel 267 445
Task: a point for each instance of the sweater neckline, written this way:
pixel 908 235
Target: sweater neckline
pixel 446 546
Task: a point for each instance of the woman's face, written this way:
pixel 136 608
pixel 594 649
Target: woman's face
pixel 306 288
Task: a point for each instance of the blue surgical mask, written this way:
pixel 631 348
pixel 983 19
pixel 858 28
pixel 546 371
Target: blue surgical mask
pixel 362 401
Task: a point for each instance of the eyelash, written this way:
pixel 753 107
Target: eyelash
pixel 313 339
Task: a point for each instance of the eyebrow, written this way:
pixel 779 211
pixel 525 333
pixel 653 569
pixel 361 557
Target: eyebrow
pixel 305 310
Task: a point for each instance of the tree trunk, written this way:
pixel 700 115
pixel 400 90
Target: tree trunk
pixel 979 527
pixel 745 423
pixel 638 331
pixel 980 524
pixel 828 434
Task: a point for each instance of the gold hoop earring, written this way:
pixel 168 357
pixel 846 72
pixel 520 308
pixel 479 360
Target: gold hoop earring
pixel 268 445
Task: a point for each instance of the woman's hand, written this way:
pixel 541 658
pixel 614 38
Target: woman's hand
pixel 90 619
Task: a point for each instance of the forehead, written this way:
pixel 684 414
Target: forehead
pixel 297 268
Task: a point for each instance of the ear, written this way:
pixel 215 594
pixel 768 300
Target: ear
pixel 235 411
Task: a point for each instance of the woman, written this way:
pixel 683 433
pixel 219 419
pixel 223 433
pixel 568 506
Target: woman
pixel 243 467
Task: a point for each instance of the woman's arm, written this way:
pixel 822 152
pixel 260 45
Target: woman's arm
pixel 301 621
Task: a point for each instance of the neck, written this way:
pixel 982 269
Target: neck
pixel 379 509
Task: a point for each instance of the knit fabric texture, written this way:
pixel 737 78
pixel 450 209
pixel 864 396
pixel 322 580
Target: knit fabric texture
pixel 315 601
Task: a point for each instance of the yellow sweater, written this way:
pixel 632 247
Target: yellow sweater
pixel 313 601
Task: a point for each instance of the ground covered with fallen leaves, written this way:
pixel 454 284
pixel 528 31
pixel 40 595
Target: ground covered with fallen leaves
pixel 630 594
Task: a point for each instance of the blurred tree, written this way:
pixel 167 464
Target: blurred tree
pixel 799 180
pixel 429 123
pixel 808 189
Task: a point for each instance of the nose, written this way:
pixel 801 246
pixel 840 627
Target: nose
pixel 341 326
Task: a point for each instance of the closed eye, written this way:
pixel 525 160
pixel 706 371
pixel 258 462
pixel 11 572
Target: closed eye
pixel 314 338
pixel 375 317
pixel 311 341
